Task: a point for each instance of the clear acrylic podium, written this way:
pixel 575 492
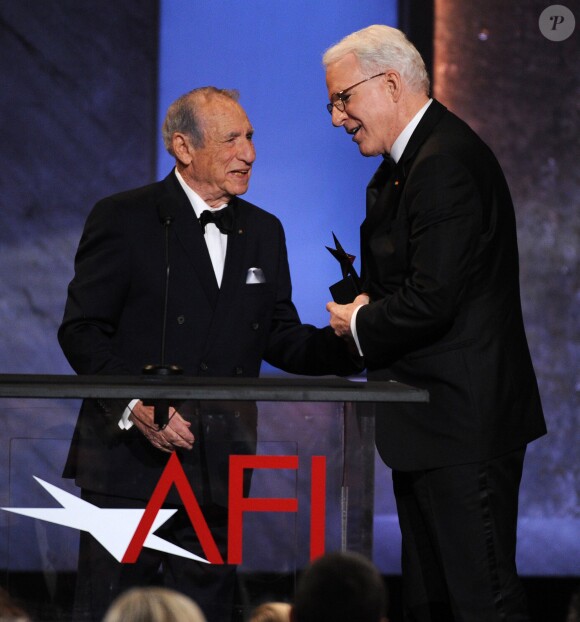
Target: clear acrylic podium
pixel 305 418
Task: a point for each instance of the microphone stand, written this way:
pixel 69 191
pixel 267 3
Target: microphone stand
pixel 161 406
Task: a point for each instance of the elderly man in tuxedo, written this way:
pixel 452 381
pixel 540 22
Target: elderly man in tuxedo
pixel 442 312
pixel 229 306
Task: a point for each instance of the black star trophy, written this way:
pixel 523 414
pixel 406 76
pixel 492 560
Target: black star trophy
pixel 349 287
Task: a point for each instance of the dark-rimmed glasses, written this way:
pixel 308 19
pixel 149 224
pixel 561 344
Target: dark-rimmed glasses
pixel 339 99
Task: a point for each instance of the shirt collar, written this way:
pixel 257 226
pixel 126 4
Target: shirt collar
pixel 404 137
pixel 198 204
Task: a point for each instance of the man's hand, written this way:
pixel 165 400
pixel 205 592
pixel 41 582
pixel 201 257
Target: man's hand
pixel 340 315
pixel 175 434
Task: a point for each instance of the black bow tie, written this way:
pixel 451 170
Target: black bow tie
pixel 223 219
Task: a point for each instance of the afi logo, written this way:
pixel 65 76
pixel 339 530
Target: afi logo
pixel 125 532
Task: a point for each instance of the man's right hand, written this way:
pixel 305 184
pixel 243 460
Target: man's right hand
pixel 340 315
pixel 175 434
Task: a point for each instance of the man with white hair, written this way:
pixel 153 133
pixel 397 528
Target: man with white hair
pixel 441 311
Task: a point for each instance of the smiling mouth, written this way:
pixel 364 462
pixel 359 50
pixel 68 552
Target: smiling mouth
pixel 353 130
pixel 241 173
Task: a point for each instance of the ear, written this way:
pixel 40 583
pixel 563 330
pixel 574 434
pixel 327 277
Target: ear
pixel 393 84
pixel 182 148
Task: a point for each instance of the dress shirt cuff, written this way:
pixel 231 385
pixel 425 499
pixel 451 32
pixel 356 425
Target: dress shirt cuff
pixel 353 329
pixel 124 422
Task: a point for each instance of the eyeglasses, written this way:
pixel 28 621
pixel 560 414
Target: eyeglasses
pixel 340 99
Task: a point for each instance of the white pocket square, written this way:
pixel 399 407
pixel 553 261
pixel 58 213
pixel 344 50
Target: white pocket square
pixel 255 275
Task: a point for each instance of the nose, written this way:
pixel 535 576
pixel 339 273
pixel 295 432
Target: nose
pixel 247 152
pixel 338 117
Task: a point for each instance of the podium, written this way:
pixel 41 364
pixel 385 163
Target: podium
pixel 302 417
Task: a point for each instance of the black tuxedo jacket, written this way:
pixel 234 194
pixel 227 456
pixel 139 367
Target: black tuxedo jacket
pixel 113 325
pixel 440 262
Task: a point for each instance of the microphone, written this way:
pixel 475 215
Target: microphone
pixel 166 208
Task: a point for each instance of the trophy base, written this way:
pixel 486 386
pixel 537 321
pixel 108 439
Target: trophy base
pixel 345 291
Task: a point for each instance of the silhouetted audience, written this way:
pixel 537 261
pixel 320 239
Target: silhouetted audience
pixel 10 610
pixel 153 604
pixel 271 612
pixel 573 614
pixel 340 587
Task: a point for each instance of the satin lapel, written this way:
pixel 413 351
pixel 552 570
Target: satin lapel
pixel 377 183
pixel 190 235
pixel 430 119
pixel 383 190
pixel 234 267
pixel 379 194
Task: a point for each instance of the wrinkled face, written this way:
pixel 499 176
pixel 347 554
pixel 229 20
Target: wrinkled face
pixel 221 168
pixel 369 113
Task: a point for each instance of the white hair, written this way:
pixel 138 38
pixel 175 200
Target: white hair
pixel 381 47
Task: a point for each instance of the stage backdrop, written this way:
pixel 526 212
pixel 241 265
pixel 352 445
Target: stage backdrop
pixel 307 172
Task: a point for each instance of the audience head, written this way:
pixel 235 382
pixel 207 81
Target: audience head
pixel 271 612
pixel 9 610
pixel 340 587
pixel 153 604
pixel 574 607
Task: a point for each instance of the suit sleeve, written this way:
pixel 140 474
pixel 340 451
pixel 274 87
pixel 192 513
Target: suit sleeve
pixel 96 294
pixel 444 221
pixel 302 348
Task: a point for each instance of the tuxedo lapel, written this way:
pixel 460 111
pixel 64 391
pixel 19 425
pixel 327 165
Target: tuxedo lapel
pixel 430 119
pixel 190 235
pixel 379 195
pixel 234 266
pixel 389 179
pixel 378 182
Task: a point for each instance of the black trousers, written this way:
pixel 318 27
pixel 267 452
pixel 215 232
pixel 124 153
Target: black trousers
pixel 100 577
pixel 458 526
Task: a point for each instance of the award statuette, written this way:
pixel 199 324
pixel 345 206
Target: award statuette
pixel 349 288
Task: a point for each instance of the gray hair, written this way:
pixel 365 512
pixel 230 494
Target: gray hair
pixel 381 47
pixel 184 115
